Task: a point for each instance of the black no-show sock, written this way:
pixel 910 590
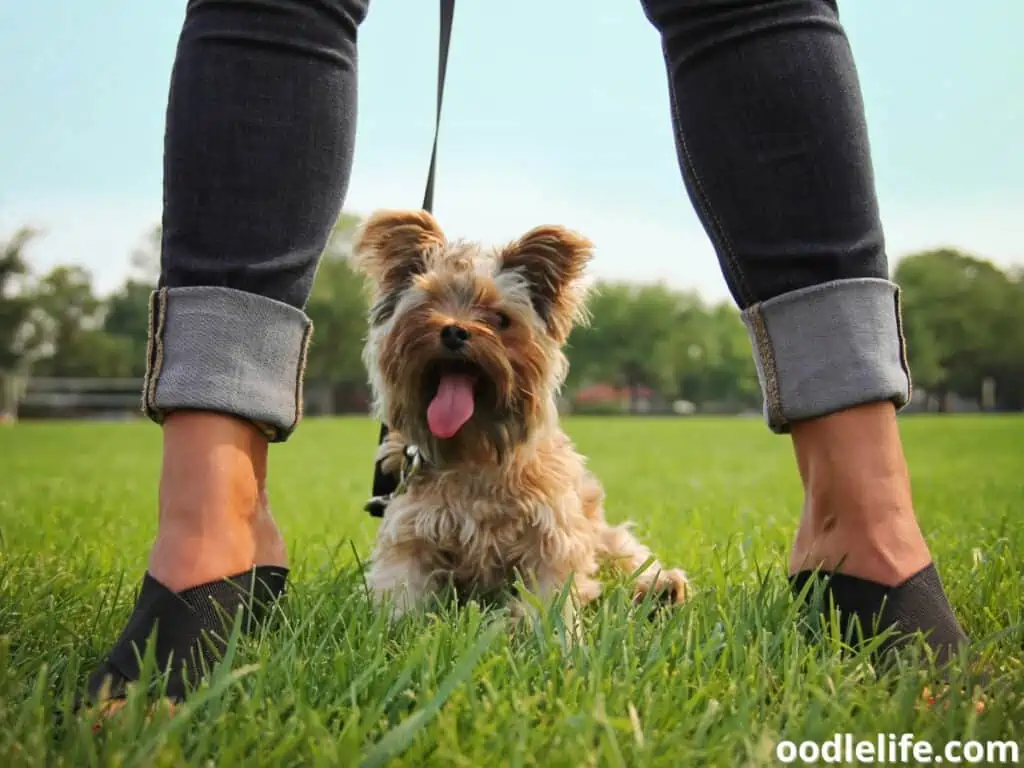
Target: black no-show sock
pixel 192 629
pixel 919 604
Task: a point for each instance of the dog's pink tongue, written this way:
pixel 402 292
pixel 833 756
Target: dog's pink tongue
pixel 452 406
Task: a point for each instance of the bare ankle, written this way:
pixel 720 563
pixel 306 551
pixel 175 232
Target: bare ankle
pixel 858 511
pixel 214 516
pixel 270 546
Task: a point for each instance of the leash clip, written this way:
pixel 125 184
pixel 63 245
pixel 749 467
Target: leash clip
pixel 411 465
pixel 413 461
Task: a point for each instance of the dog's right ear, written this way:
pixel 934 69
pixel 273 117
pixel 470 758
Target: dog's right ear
pixel 394 246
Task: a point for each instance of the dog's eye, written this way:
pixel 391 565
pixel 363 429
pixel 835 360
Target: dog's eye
pixel 502 321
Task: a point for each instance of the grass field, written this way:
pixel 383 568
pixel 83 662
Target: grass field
pixel 718 682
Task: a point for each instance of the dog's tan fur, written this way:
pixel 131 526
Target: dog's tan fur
pixel 508 494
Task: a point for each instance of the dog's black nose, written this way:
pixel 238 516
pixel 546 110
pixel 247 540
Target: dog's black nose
pixel 454 337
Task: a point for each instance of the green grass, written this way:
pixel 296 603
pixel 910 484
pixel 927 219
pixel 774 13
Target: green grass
pixel 720 681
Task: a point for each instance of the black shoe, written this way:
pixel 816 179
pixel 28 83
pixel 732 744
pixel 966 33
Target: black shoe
pixel 193 627
pixel 919 604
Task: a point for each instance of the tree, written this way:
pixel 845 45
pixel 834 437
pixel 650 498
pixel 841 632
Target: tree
pixel 955 307
pixel 670 341
pixel 629 340
pixel 16 301
pixel 68 322
pixel 338 307
pixel 1007 365
pixel 127 320
pixel 127 309
pixel 716 367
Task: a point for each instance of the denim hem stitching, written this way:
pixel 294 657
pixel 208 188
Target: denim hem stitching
pixel 771 390
pixel 904 359
pixel 154 353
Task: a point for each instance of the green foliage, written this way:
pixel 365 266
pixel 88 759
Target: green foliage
pixel 337 306
pixel 126 318
pixel 16 301
pixel 67 320
pixel 964 323
pixel 718 682
pixel 667 340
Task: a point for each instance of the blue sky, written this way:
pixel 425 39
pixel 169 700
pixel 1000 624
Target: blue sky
pixel 556 111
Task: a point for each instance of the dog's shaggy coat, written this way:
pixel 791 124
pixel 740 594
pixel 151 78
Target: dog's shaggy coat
pixel 506 494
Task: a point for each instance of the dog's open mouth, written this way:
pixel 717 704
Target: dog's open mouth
pixel 450 386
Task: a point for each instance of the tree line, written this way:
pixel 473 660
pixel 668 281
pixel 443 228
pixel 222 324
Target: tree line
pixel 963 320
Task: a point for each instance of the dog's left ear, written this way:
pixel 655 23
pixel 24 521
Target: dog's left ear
pixel 393 246
pixel 552 260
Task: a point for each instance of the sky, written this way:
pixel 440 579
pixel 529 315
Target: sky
pixel 556 111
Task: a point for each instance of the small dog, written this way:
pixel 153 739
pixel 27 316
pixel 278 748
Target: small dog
pixel 465 358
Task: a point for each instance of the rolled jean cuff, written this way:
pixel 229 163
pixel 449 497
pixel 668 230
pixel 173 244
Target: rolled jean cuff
pixel 219 349
pixel 829 347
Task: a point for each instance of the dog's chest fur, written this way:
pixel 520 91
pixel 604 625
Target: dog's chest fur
pixel 478 526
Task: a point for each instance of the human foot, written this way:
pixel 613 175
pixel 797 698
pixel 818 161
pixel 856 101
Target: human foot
pixel 880 574
pixel 193 627
pixel 883 545
pixel 916 605
pixel 215 518
pixel 858 530
pixel 188 552
pixel 217 544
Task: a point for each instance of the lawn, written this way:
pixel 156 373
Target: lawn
pixel 719 682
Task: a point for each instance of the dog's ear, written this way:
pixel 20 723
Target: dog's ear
pixel 393 246
pixel 552 260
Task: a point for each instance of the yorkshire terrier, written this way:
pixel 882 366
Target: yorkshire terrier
pixel 465 359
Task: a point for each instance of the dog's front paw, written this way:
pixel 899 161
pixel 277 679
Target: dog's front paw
pixel 666 586
pixel 391 453
pixel 397 584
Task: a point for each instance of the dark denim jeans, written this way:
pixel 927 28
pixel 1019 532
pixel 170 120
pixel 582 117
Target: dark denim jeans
pixel 771 141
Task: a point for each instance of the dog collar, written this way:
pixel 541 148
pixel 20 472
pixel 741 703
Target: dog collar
pixel 412 462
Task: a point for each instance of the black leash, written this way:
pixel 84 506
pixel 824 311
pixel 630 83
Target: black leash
pixel 383 484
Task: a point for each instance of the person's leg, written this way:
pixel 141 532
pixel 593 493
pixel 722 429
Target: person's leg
pixel 258 150
pixel 773 147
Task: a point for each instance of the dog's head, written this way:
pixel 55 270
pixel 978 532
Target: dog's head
pixel 464 351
